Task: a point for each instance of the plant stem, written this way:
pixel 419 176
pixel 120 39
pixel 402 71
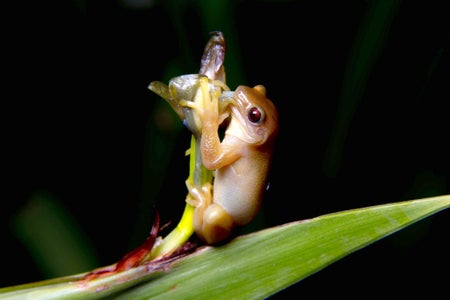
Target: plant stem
pixel 198 175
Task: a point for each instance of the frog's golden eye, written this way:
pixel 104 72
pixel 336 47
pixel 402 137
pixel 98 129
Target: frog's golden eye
pixel 256 115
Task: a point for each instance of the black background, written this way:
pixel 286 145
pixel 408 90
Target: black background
pixel 78 111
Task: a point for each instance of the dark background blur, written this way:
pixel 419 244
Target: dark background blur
pixel 362 88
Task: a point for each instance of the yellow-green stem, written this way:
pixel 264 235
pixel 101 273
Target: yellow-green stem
pixel 198 175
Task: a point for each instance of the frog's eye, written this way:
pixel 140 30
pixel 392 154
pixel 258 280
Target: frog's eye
pixel 256 115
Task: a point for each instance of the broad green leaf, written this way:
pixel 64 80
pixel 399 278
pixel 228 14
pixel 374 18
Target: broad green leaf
pixel 251 266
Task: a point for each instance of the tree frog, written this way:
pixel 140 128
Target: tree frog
pixel 240 161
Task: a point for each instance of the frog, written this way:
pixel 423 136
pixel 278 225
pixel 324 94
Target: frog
pixel 240 160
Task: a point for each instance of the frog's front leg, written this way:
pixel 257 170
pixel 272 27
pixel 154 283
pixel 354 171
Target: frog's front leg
pixel 206 101
pixel 197 107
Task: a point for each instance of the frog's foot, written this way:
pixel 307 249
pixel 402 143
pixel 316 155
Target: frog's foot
pixel 199 196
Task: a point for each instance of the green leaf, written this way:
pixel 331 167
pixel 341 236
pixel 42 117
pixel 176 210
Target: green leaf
pixel 253 266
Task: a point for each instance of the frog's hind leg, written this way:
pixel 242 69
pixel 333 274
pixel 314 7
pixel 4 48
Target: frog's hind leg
pixel 217 224
pixel 200 198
